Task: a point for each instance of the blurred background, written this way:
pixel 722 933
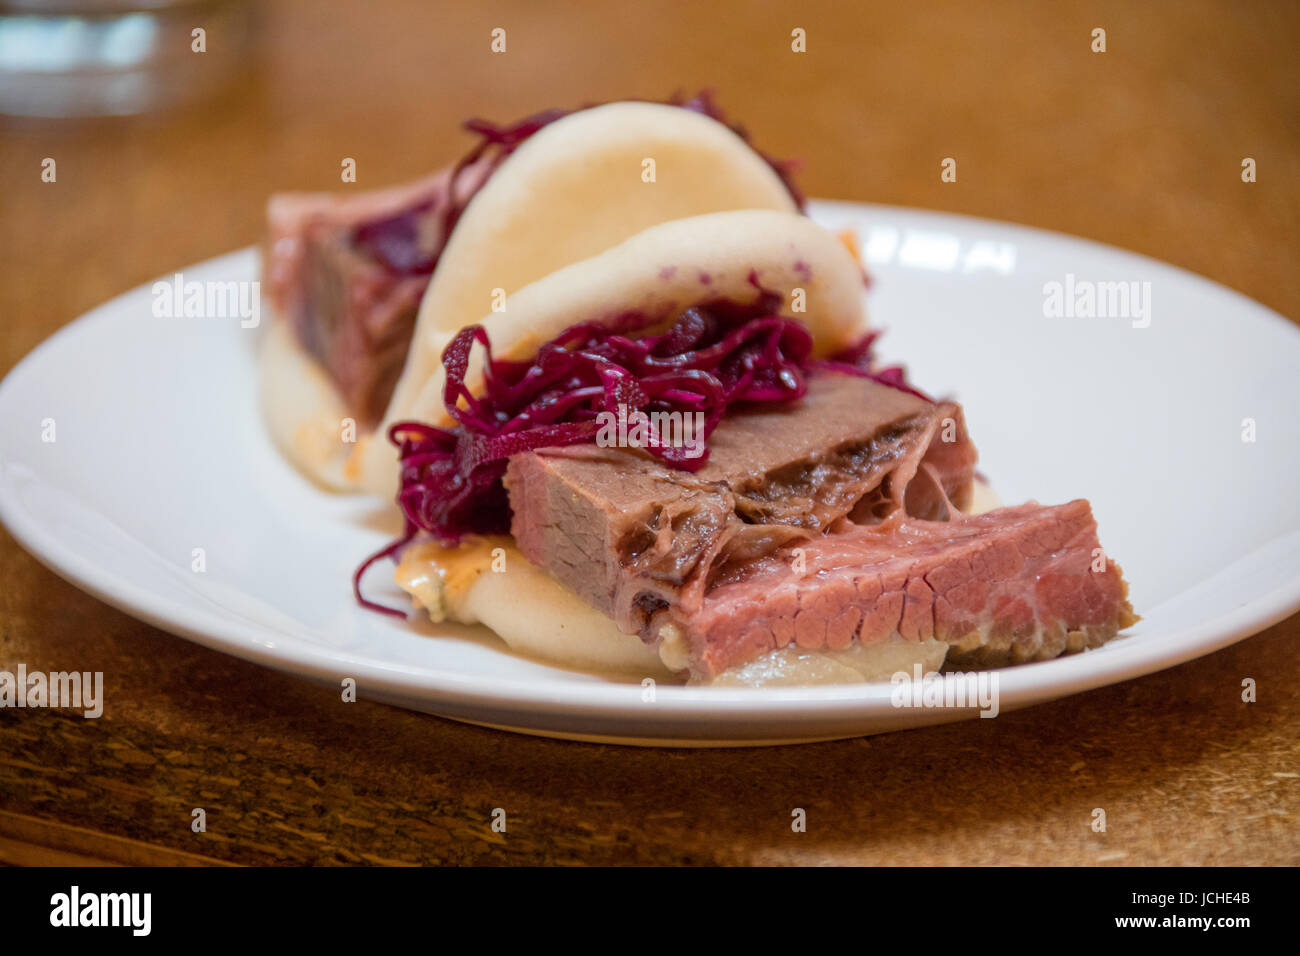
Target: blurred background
pixel 1140 146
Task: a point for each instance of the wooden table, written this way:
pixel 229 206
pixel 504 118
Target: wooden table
pixel 1140 147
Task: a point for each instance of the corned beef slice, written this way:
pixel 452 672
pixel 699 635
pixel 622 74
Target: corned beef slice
pixel 1008 586
pixel 348 271
pixel 634 538
pixel 712 554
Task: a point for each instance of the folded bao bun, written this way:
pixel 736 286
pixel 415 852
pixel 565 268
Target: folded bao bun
pixel 735 256
pixel 732 256
pixel 570 233
pixel 571 191
pixel 659 272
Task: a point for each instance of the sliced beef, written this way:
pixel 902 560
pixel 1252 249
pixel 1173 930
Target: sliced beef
pixel 347 271
pixel 635 538
pixel 826 522
pixel 1012 585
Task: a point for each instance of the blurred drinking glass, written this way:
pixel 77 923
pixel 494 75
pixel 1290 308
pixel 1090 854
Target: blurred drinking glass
pixel 117 57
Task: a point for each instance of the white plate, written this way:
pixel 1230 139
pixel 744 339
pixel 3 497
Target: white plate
pixel 159 449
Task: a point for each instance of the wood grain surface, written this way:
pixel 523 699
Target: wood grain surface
pixel 1140 147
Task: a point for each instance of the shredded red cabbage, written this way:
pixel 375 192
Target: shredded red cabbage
pixel 711 357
